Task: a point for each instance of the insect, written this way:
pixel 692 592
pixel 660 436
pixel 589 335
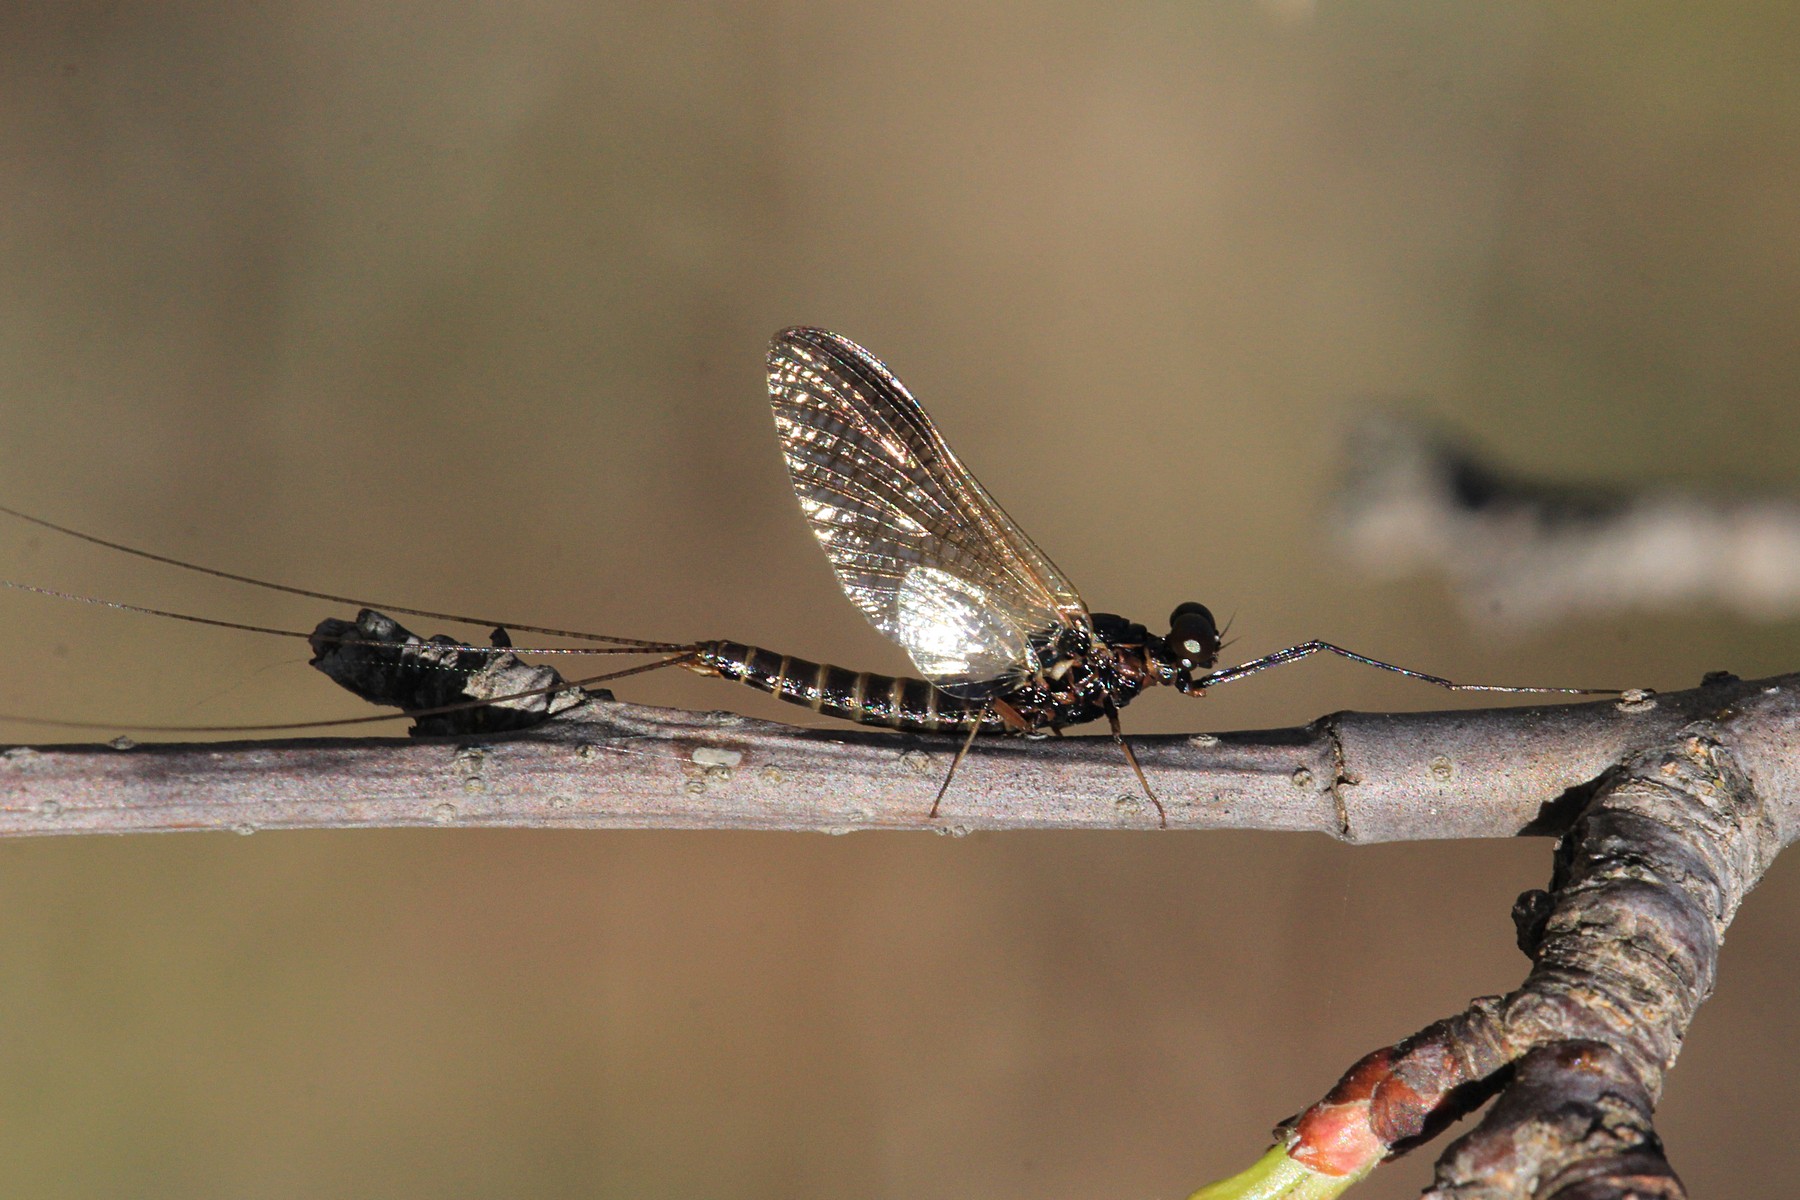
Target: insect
pixel 1001 639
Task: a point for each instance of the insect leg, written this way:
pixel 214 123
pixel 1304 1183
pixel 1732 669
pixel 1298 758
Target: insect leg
pixel 1295 653
pixel 1112 717
pixel 956 762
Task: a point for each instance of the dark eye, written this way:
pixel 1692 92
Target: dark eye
pixel 1182 610
pixel 1193 636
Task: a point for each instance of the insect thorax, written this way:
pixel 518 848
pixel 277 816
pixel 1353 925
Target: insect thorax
pixel 1079 671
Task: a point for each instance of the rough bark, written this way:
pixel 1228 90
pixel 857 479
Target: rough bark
pixel 1625 948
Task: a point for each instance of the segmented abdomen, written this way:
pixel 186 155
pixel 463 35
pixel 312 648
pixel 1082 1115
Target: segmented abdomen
pixel 865 698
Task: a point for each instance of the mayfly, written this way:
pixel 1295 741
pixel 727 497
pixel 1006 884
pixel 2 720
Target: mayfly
pixel 1002 641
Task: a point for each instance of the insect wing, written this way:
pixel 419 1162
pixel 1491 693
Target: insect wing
pixel 917 543
pixel 954 632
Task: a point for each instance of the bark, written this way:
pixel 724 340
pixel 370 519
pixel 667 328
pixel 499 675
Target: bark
pixel 1625 948
pixel 1668 809
pixel 1361 777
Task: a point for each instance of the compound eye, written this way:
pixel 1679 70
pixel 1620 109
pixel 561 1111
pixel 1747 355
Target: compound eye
pixel 1182 610
pixel 1193 636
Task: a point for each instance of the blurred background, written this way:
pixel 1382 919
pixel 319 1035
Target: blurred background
pixel 466 308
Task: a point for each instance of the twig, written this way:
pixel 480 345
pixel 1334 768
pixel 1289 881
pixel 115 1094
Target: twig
pixel 1625 949
pixel 1670 808
pixel 1356 776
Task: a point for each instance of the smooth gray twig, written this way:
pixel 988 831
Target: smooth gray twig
pixel 1357 776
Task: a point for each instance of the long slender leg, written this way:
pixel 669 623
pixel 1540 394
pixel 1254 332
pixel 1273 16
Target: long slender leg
pixel 1295 653
pixel 1112 716
pixel 955 763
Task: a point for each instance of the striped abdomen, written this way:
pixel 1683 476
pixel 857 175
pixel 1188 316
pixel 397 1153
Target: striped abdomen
pixel 862 697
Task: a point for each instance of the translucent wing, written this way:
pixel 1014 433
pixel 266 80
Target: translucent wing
pixel 916 541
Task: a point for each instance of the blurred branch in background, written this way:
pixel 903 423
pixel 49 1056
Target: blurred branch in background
pixel 1524 552
pixel 1669 809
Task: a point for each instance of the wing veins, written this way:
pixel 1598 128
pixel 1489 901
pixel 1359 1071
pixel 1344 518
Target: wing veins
pixel 935 460
pixel 1008 563
pixel 887 498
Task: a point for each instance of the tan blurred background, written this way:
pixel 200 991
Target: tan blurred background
pixel 467 308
